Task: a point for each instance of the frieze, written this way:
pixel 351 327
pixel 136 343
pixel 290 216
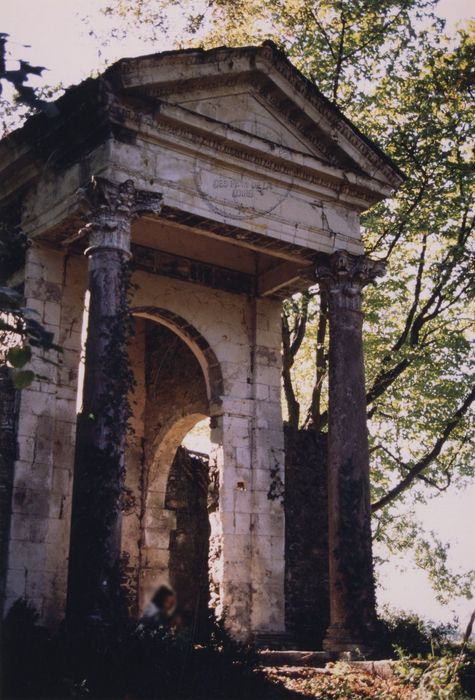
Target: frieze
pixel 189 270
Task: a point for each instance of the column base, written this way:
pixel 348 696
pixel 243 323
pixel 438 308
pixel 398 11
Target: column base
pixel 341 640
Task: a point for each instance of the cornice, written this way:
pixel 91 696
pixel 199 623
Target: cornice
pixel 337 185
pixel 332 114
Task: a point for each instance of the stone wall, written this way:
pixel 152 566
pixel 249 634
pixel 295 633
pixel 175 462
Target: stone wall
pixel 306 547
pixel 54 286
pixel 8 453
pixel 247 529
pixel 235 342
pixel 247 540
pixel 189 497
pixel 169 398
pixel 174 381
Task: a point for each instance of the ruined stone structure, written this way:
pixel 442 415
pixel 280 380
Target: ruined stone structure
pixel 231 183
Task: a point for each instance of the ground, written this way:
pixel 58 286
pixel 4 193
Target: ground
pixel 338 681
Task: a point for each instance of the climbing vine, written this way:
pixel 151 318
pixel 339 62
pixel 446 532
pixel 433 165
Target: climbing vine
pixel 20 328
pixel 276 488
pixel 97 573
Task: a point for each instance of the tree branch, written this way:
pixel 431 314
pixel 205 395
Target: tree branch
pixel 324 33
pixel 418 469
pixel 291 342
pixel 417 293
pixel 340 55
pixel 320 362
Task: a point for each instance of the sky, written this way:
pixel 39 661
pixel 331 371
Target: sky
pixel 60 41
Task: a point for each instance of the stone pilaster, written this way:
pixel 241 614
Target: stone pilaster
pixel 342 277
pixel 94 572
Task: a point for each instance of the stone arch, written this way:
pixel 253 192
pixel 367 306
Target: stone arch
pixel 182 385
pixel 195 341
pixel 166 444
pixel 161 522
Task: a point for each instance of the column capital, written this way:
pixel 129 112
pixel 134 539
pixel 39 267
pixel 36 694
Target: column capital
pixel 110 209
pixel 342 277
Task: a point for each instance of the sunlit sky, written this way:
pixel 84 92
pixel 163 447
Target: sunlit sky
pixel 59 40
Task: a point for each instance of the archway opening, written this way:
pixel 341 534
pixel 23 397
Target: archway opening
pixel 166 532
pixel 187 496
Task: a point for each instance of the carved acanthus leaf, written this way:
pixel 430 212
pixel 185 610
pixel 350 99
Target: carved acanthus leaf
pixel 110 209
pixel 342 276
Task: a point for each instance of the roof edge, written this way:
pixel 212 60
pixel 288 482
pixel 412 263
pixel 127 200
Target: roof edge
pixel 278 56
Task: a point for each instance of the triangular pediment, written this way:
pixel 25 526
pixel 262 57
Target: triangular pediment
pixel 256 90
pixel 248 110
pixel 245 112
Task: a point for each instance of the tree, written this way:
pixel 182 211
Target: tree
pixel 20 331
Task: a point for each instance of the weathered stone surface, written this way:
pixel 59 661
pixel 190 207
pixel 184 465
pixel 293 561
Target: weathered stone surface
pixel 352 598
pixel 187 496
pixel 8 453
pixel 242 459
pixel 306 538
pixel 94 566
pixel 315 659
pixel 242 146
pixel 46 428
pixel 171 370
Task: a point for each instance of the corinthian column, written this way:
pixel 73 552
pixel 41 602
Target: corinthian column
pixel 94 567
pixel 341 278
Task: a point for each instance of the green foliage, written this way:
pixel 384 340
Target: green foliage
pixel 18 77
pixel 20 330
pixel 338 45
pixel 429 658
pixel 16 321
pixel 432 556
pixel 419 357
pixel 441 678
pixel 22 378
pixel 407 85
pixel 152 663
pixel 411 636
pixel 19 356
pixel 276 491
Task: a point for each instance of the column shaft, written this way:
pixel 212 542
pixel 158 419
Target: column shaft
pixel 94 591
pixel 352 599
